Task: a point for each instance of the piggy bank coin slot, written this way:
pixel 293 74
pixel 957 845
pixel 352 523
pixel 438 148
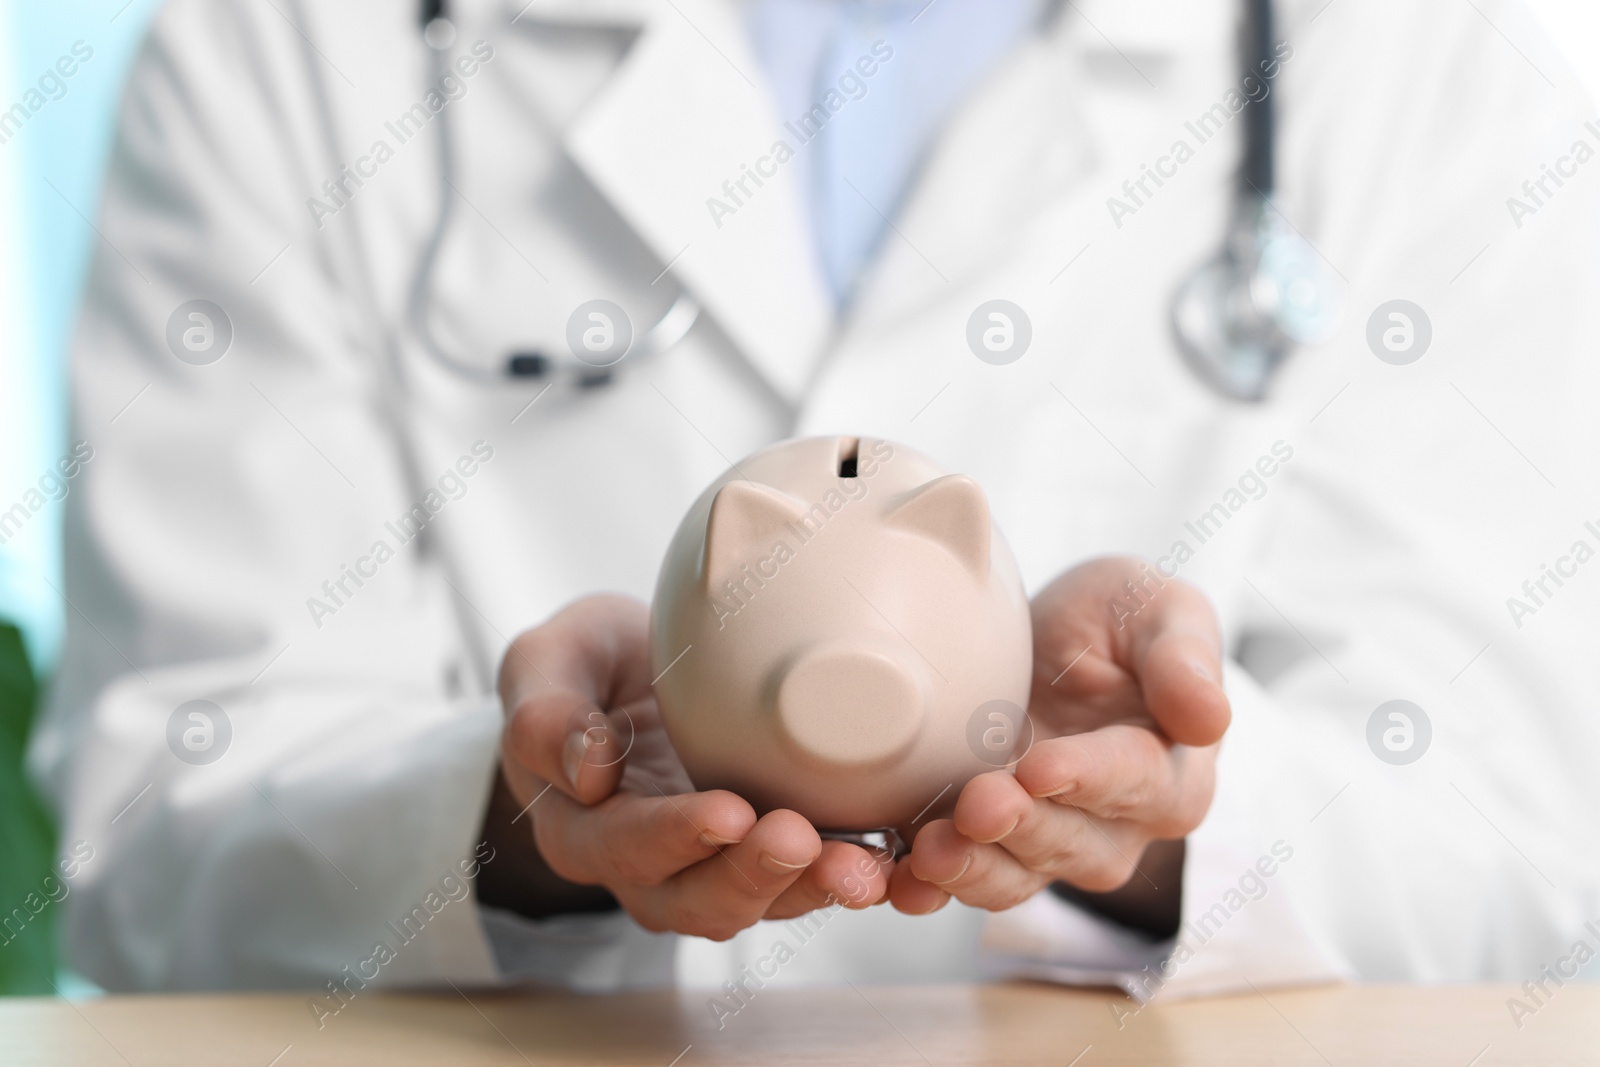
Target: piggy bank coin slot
pixel 849 448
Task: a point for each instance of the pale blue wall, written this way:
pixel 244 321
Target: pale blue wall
pixel 64 144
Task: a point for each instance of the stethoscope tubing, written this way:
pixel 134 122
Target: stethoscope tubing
pixel 1232 344
pixel 543 369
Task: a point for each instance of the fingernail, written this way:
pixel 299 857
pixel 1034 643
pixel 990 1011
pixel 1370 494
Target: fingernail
pixel 774 865
pixel 1002 835
pixel 957 876
pixel 714 841
pixel 572 757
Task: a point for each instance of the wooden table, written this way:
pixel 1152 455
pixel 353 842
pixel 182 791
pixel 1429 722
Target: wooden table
pixel 1007 1024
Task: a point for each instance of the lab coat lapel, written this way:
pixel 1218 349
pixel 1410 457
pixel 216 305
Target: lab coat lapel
pixel 686 143
pixel 1032 139
pixel 1017 143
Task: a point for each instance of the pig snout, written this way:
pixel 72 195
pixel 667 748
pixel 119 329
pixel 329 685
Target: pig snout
pixel 850 706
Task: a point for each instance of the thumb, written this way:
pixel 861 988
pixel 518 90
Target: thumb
pixel 564 685
pixel 1176 654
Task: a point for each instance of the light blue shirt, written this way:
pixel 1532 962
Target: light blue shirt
pixel 870 83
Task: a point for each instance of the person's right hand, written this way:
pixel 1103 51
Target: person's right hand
pixel 611 805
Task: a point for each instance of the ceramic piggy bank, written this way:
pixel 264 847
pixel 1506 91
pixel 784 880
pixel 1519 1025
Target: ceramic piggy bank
pixel 840 629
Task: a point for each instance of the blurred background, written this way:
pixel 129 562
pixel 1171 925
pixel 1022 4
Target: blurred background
pixel 50 171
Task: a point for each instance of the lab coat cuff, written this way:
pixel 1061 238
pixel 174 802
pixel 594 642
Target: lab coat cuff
pixel 1240 926
pixel 1050 940
pixel 599 953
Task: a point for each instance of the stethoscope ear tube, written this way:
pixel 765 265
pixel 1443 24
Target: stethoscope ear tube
pixel 529 366
pixel 1237 316
pixel 1260 145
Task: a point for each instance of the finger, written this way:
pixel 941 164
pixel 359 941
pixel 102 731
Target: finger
pixel 1175 651
pixel 842 874
pixel 1058 841
pixel 562 683
pixel 991 806
pixel 1181 680
pixel 598 646
pixel 912 895
pixel 983 876
pixel 564 738
pixel 721 895
pixel 1123 772
pixel 1120 615
pixel 637 839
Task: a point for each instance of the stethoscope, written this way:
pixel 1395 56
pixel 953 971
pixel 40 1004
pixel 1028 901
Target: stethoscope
pixel 581 370
pixel 1237 317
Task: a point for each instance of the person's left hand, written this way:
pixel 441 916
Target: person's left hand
pixel 1127 712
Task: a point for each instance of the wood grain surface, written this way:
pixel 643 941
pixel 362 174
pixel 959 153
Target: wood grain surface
pixel 1018 1024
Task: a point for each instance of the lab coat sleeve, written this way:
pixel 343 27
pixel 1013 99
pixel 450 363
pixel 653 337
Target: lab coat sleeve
pixel 1450 845
pixel 1439 845
pixel 238 537
pixel 1229 871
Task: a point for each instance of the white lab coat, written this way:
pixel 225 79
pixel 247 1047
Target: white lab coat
pixel 1376 564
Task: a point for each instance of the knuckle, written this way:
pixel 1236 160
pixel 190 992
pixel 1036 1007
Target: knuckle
pixel 710 925
pixel 1063 851
pixel 1105 876
pixel 991 895
pixel 1142 792
pixel 627 868
pixel 1181 822
pixel 1016 896
pixel 1126 804
pixel 1062 857
pixel 1185 813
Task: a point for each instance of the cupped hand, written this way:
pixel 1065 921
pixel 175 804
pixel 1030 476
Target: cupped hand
pixel 1127 709
pixel 608 803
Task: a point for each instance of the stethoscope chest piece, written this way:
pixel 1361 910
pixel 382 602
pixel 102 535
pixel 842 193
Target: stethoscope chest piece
pixel 1239 314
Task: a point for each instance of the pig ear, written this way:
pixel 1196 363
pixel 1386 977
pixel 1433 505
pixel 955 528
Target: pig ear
pixel 746 517
pixel 952 511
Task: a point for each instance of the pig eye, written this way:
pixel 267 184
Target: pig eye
pixel 849 447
